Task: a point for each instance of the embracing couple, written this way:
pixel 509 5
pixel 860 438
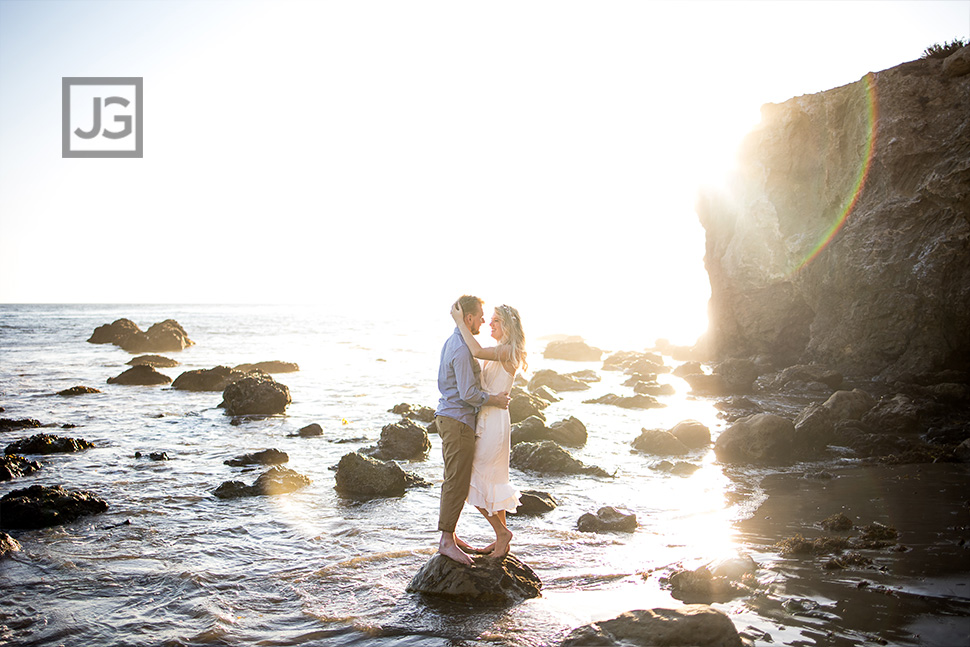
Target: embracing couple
pixel 473 421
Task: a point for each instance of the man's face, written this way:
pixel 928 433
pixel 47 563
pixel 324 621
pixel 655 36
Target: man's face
pixel 474 320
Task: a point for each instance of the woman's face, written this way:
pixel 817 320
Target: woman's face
pixel 496 324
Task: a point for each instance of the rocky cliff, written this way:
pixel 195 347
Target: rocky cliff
pixel 844 236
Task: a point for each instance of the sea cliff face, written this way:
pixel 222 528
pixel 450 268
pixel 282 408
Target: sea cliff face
pixel 880 171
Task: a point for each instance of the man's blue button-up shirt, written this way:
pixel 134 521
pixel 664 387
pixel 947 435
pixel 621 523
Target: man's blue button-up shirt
pixel 459 382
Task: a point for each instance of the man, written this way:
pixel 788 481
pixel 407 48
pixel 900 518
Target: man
pixel 461 398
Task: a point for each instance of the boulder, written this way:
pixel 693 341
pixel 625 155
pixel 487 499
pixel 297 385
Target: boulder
pixel 142 375
pixel 647 365
pixel 849 405
pixel 638 401
pixel 272 366
pixel 153 360
pixel 688 368
pixel 586 375
pixel 695 625
pixel 161 337
pixel 9 424
pixel 414 412
pixel 607 519
pixel 264 457
pixel 659 442
pixel 555 381
pixel 276 480
pixel 531 430
pixel 703 384
pixel 47 444
pixel 547 457
pixel 814 428
pixel 114 333
pixel 524 405
pixel 311 430
pixel 577 351
pixel 680 468
pixel 896 414
pixel 737 375
pixel 804 377
pixel 8 545
pixel 570 432
pixel 486 583
pixel 255 394
pixel 547 395
pixel 694 434
pixel 653 388
pixel 365 476
pixel 957 63
pixel 716 582
pixel 40 506
pixel 207 379
pixel 533 503
pixel 13 466
pixel 78 390
pixel 404 440
pixel 763 438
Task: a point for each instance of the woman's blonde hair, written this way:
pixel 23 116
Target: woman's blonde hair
pixel 513 334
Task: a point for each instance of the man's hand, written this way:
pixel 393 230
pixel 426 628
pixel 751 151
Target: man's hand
pixel 500 400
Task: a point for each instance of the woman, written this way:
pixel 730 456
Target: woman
pixel 490 490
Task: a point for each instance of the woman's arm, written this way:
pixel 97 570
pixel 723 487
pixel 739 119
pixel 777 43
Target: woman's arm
pixel 494 353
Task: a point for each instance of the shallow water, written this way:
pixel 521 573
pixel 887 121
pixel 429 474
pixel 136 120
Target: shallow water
pixel 312 567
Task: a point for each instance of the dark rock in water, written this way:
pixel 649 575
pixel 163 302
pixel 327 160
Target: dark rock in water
pixel 154 456
pixel 553 380
pixel 680 468
pixel 207 379
pixel 13 466
pixel 814 428
pixel 255 395
pixel 807 265
pixel 547 395
pixel 547 457
pixel 264 457
pixel 624 359
pixel 488 582
pixel 703 384
pixel 414 412
pixel 693 625
pixel 524 405
pixel 8 545
pixel 720 581
pixel 607 519
pixel 533 503
pixel 837 523
pixel 310 431
pixel 161 337
pixel 40 506
pixel 8 424
pixel 688 368
pixel 586 375
pixel 78 390
pixel 570 432
pixel 849 405
pixel 659 442
pixel 694 434
pixel 140 376
pixel 738 375
pixel 578 351
pixel 628 402
pixel 762 438
pixel 276 480
pixel 272 366
pixel 47 444
pixel 801 377
pixel 404 440
pixel 653 388
pixel 896 414
pixel 153 360
pixel 531 430
pixel 365 476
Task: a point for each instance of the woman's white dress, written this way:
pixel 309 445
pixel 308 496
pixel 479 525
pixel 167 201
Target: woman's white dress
pixel 490 488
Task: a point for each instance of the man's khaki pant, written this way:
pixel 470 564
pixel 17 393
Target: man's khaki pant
pixel 458 450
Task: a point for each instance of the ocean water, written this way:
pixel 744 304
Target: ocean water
pixel 314 567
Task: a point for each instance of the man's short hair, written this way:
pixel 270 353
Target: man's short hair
pixel 469 303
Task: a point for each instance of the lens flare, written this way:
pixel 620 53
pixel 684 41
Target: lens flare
pixel 869 94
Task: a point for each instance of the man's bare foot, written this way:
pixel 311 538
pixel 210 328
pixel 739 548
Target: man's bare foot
pixel 451 550
pixel 502 545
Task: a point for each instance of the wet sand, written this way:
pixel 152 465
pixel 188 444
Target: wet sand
pixel 915 592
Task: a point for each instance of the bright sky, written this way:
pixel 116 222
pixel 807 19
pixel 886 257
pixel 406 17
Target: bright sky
pixel 353 153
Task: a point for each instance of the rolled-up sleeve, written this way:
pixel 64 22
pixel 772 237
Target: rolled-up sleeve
pixel 468 388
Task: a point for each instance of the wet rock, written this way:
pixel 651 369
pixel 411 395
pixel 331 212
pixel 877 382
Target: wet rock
pixel 701 586
pixel 587 375
pixel 524 405
pixel 531 430
pixel 628 402
pixel 13 466
pixel 814 428
pixel 555 381
pixel 738 375
pixel 653 388
pixel 608 519
pixel 255 394
pixel 694 434
pixel 570 432
pixel 157 361
pixel 680 468
pixel 8 424
pixel 140 376
pixel 207 379
pixel 660 443
pixel 488 582
pixel 47 444
pixel 693 625
pixel 837 523
pixel 404 440
pixel 875 536
pixel 414 412
pixel 40 506
pixel 276 480
pixel 804 377
pixel 161 337
pixel 703 384
pixel 647 365
pixel 114 333
pixel 547 457
pixel 849 405
pixel 154 456
pixel 763 438
pixel 547 395
pixel 578 351
pixel 798 546
pixel 622 360
pixel 533 503
pixel 264 457
pixel 848 560
pixel 272 366
pixel 310 431
pixel 896 414
pixel 688 368
pixel 8 545
pixel 362 475
pixel 78 390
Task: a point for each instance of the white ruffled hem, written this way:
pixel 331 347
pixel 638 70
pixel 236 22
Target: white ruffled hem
pixel 503 496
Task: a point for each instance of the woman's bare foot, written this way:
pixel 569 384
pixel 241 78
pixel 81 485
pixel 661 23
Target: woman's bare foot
pixel 502 545
pixel 450 549
pixel 468 548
